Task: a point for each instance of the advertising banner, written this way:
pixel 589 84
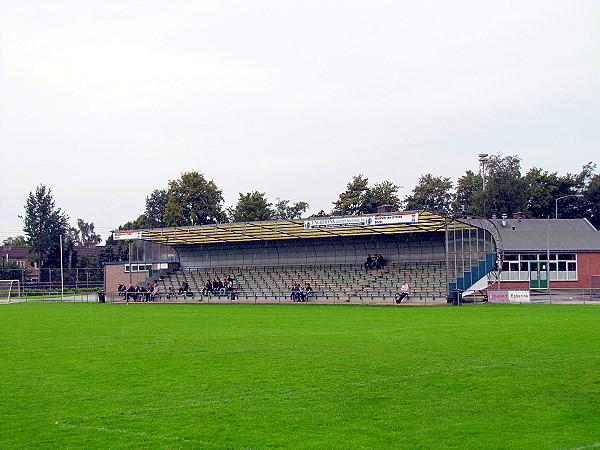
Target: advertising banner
pixel 362 221
pixel 385 219
pixel 126 235
pixel 338 222
pixel 506 296
pixel 518 296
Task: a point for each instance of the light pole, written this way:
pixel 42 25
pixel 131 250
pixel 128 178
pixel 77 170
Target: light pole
pixel 560 198
pixel 483 158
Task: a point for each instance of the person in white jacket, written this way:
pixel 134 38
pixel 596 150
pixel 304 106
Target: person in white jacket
pixel 404 292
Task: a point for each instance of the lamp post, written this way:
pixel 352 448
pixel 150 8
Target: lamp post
pixel 560 198
pixel 483 158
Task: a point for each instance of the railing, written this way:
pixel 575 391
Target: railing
pixel 53 295
pixel 548 296
pixel 545 296
pixel 565 296
pixel 276 296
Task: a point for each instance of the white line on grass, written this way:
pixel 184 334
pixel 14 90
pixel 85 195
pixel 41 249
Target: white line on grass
pixel 596 445
pixel 144 434
pixel 152 436
pixel 119 430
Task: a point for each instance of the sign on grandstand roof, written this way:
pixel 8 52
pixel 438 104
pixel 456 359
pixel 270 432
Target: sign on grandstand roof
pixel 126 235
pixel 361 221
pixel 384 219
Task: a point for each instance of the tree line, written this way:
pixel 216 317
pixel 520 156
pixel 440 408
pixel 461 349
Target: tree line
pixel 498 188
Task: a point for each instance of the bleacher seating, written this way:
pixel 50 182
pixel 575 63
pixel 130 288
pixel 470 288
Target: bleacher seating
pixel 331 282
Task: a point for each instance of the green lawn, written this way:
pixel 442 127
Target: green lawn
pixel 299 376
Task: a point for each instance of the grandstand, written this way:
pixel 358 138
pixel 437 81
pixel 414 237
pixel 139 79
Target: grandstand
pixel 438 256
pixel 331 282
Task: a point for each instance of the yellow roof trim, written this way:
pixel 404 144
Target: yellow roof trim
pixel 293 229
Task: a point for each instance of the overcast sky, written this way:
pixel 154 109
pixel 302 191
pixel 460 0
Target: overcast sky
pixel 105 101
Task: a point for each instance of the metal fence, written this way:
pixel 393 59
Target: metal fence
pixel 550 296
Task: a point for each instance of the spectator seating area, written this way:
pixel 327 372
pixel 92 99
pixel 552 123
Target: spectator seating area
pixel 331 283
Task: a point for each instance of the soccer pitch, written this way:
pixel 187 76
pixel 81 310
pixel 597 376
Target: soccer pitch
pixel 299 376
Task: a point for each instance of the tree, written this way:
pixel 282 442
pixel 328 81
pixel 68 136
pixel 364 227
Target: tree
pixel 114 251
pixel 155 207
pixel 283 210
pixel 10 270
pixel 577 184
pixel 193 200
pixel 469 197
pixel 44 224
pixel 592 198
pixel 141 223
pixel 359 198
pixel 16 241
pixel 351 201
pixel 384 193
pixel 85 234
pixel 542 189
pixel 250 207
pixel 431 194
pixel 506 190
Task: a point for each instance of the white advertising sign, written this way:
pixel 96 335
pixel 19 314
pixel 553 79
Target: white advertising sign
pixel 362 221
pixel 126 235
pixel 386 219
pixel 340 222
pixel 506 296
pixel 518 296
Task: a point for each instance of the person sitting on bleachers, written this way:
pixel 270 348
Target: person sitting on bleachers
pixel 225 288
pixel 144 294
pixel 229 284
pixel 294 296
pixel 131 293
pixel 218 287
pixel 184 288
pixel 301 293
pixel 208 288
pixel 380 262
pixel 308 291
pixel 171 293
pixel 404 292
pixel 368 262
pixel 154 292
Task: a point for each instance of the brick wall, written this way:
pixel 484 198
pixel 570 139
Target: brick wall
pixel 114 274
pixel 588 264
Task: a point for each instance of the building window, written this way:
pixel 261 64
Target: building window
pixel 524 267
pixel 138 268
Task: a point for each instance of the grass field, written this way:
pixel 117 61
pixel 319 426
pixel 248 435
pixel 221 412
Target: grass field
pixel 299 376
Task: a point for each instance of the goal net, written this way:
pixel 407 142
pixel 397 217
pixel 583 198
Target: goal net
pixel 9 289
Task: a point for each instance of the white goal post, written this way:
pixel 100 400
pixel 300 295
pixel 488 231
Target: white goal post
pixel 9 289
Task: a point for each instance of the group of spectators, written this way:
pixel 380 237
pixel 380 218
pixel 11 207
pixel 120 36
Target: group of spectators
pixel 301 293
pixel 139 293
pixel 218 287
pixel 374 262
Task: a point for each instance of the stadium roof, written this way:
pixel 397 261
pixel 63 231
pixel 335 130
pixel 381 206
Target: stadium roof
pixel 367 225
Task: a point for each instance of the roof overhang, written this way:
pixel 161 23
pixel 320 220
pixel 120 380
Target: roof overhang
pixel 327 227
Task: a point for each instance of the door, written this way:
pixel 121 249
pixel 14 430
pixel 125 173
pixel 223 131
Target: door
pixel 538 275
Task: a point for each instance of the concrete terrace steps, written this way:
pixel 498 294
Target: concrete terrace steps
pixel 329 281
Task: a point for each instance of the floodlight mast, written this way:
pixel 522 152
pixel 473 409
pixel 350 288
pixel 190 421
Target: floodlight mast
pixel 483 158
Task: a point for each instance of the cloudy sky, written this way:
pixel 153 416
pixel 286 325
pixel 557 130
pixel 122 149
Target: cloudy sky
pixel 105 101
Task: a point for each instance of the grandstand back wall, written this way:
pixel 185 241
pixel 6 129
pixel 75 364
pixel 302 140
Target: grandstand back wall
pixel 347 250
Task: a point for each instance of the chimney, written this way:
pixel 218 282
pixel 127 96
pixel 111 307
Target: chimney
pixel 519 215
pixel 385 209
